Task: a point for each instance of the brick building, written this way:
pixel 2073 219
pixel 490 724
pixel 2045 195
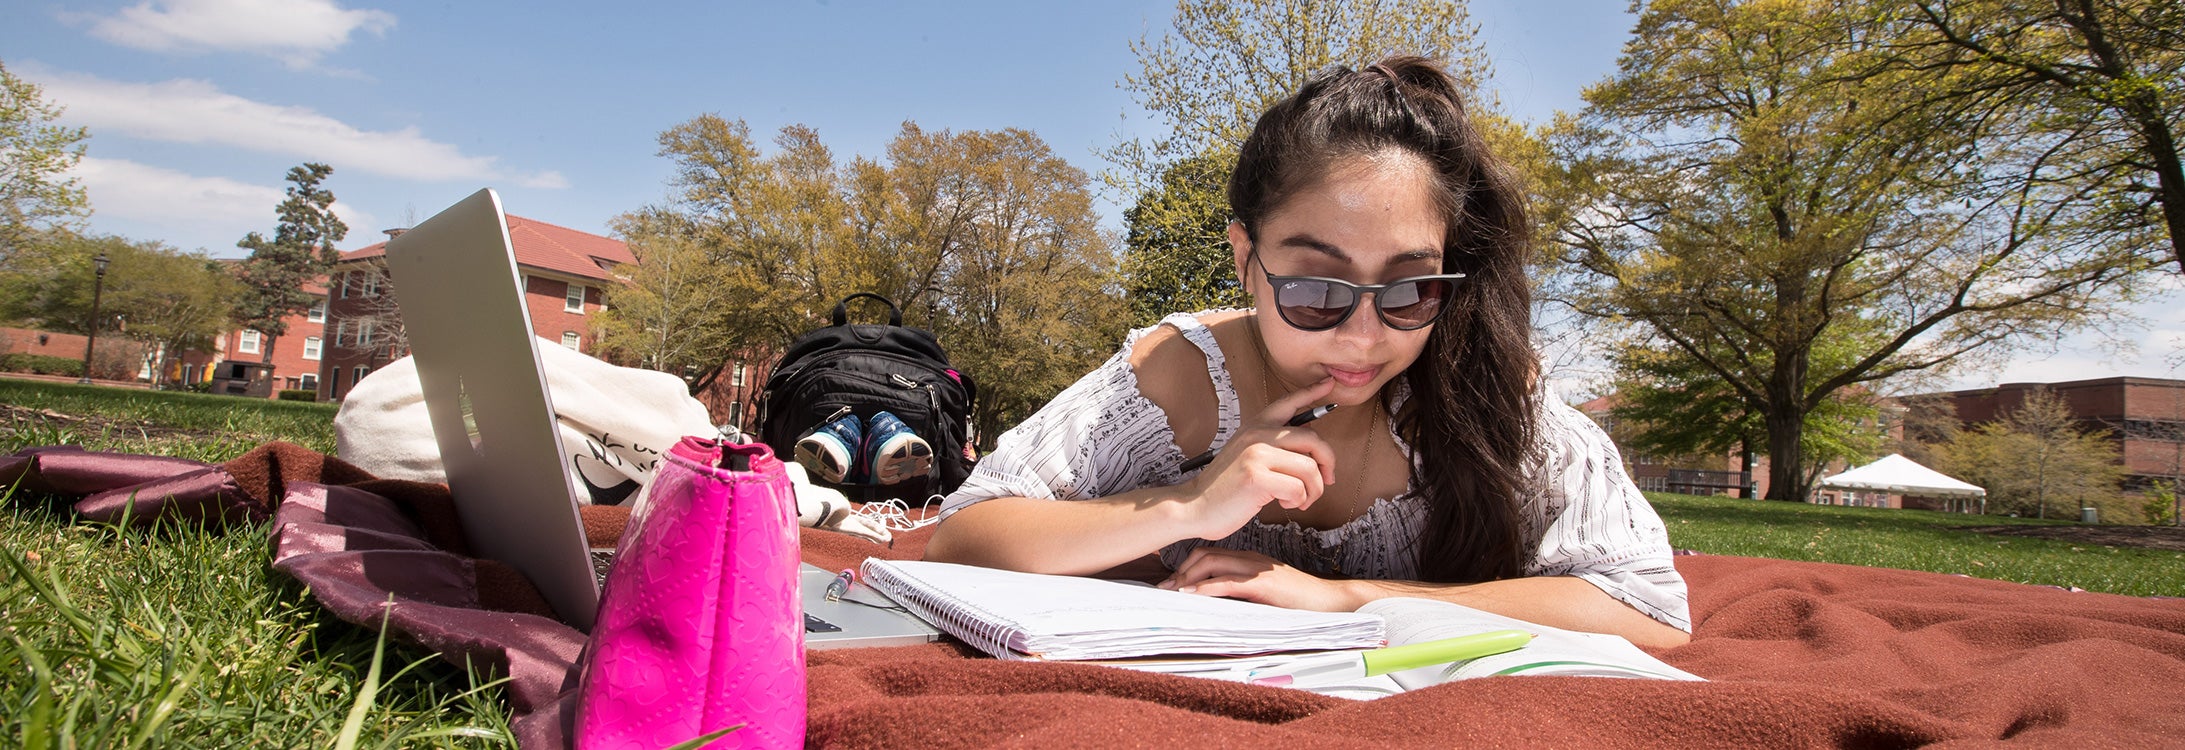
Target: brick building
pixel 564 272
pixel 2144 417
pixel 1690 475
pixel 733 396
pixel 41 343
pixel 236 354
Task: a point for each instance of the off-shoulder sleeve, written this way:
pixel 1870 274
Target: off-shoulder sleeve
pixel 1597 526
pixel 1099 437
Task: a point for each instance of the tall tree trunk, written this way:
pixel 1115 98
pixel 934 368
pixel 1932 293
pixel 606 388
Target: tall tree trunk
pixel 265 353
pixel 1785 454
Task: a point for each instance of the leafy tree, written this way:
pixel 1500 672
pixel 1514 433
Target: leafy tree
pixel 1735 192
pixel 1930 422
pixel 1176 254
pixel 2037 457
pixel 1208 78
pixel 300 252
pixel 49 284
pixel 1225 62
pixel 985 237
pixel 1673 407
pixel 170 299
pixel 173 300
pixel 1025 300
pixel 36 195
pixel 671 315
pixel 727 192
pixel 2161 504
pixel 2102 81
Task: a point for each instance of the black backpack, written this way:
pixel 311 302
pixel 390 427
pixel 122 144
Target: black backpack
pixel 866 369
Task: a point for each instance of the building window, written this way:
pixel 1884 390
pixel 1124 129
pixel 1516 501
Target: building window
pixel 570 339
pixel 362 370
pixel 364 333
pixel 247 343
pixel 317 314
pixel 310 382
pixel 371 283
pixel 736 377
pixel 736 414
pixel 574 301
pixel 311 347
pixel 341 281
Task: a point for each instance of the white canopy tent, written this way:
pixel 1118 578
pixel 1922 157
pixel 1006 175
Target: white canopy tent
pixel 1898 475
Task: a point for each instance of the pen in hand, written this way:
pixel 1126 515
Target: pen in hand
pixel 1304 417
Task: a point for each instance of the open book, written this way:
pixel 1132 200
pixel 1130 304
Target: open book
pixel 1014 615
pixel 1553 651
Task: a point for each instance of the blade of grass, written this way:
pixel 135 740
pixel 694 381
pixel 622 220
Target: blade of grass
pixel 362 707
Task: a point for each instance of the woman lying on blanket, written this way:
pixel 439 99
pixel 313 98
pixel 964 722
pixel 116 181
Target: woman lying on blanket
pixel 1384 248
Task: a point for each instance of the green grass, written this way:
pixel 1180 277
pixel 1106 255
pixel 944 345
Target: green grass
pixel 188 425
pixel 182 636
pixel 1913 540
pixel 179 636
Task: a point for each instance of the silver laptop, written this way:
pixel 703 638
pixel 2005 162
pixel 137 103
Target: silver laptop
pixel 470 336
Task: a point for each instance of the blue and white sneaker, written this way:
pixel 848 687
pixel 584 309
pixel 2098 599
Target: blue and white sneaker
pixel 830 452
pixel 896 453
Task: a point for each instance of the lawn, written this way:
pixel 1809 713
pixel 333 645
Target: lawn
pixel 180 636
pixel 1913 540
pixel 184 637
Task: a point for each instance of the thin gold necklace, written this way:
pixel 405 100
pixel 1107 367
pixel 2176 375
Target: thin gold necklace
pixel 1342 549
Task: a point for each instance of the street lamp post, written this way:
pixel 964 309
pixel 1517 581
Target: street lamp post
pixel 98 288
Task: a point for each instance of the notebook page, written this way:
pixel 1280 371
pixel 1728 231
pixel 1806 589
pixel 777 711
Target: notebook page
pixel 1553 651
pixel 1029 615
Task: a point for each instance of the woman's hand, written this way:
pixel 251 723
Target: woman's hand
pixel 1253 577
pixel 1267 461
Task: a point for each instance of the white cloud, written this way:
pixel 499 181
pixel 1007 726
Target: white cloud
pixel 217 206
pixel 197 112
pixel 297 32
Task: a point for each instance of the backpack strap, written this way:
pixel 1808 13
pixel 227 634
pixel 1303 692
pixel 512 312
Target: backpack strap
pixel 842 310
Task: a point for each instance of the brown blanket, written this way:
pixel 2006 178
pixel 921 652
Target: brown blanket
pixel 1798 654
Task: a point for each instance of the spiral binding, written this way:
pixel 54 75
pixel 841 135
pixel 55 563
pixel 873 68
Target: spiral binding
pixel 948 613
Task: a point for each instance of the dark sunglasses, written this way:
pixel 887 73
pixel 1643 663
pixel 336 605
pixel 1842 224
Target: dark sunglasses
pixel 1312 303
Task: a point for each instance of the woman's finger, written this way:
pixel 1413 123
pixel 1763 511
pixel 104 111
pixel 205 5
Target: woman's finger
pixel 1305 443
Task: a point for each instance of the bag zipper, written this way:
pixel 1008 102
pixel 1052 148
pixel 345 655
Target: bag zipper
pixel 933 404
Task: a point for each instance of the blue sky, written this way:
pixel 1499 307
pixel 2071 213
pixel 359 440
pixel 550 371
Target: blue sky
pixel 198 107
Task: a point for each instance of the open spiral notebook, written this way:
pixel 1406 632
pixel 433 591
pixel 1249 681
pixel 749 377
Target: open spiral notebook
pixel 1029 616
pixel 1014 615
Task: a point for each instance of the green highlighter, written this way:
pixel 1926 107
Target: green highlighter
pixel 1361 664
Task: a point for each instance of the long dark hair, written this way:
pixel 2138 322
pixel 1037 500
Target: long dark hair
pixel 1470 418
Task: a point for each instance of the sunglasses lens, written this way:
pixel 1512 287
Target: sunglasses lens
pixel 1414 304
pixel 1313 305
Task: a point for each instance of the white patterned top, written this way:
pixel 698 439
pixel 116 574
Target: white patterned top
pixel 1102 437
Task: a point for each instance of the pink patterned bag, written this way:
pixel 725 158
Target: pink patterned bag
pixel 700 625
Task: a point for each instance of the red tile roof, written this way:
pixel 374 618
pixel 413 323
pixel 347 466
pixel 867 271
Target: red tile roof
pixel 547 247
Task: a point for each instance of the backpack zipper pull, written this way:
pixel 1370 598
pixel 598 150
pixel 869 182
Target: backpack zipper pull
pixel 933 401
pixel 902 382
pixel 837 415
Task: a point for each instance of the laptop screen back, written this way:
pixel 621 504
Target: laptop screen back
pixel 470 336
